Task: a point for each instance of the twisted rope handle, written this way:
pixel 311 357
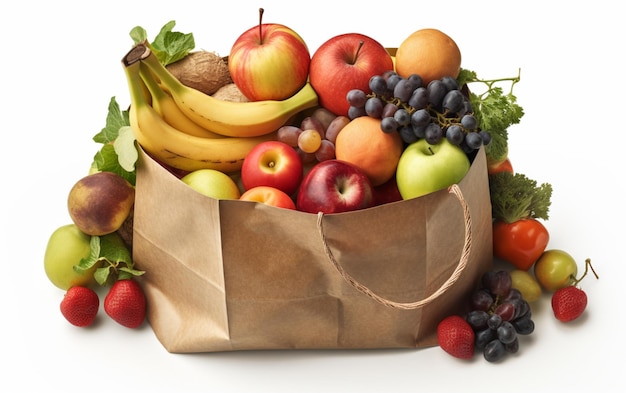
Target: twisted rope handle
pixel 467 246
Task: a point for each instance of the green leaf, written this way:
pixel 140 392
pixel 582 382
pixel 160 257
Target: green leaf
pixel 115 120
pixel 169 46
pixel 138 34
pixel 93 258
pixel 515 196
pixel 125 149
pixel 106 160
pixel 113 257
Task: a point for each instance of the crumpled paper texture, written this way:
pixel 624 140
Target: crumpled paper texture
pixel 232 275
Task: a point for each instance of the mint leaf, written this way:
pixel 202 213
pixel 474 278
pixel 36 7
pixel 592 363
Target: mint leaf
pixel 125 149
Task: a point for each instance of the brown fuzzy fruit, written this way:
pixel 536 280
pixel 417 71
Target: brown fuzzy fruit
pixel 202 70
pixel 230 92
pixel 99 203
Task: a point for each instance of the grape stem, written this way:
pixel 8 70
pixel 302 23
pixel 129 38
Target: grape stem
pixel 491 82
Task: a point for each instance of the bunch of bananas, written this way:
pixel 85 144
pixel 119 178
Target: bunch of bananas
pixel 188 129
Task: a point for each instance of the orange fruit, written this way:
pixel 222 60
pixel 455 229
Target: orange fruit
pixel 429 53
pixel 363 143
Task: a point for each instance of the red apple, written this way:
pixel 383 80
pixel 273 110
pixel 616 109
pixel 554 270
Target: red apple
pixel 343 63
pixel 274 164
pixel 270 196
pixel 269 62
pixel 387 192
pixel 334 186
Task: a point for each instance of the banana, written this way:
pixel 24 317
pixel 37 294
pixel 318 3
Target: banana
pixel 166 107
pixel 239 119
pixel 176 148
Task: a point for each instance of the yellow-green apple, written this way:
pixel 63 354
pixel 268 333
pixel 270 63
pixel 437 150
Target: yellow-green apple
pixel 269 62
pixel 424 168
pixel 334 186
pixel 66 247
pixel 346 62
pixel 100 202
pixel 270 196
pixel 274 164
pixel 212 183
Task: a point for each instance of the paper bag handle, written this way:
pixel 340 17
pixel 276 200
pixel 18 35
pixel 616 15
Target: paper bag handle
pixel 467 246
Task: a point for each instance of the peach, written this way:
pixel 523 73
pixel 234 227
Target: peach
pixel 99 203
pixel 363 143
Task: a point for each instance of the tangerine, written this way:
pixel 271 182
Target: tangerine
pixel 363 143
pixel 429 53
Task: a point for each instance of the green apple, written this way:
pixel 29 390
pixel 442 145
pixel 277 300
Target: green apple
pixel 212 183
pixel 67 245
pixel 424 168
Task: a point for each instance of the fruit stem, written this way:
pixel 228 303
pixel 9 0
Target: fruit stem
pixel 261 11
pixel 358 49
pixel 587 267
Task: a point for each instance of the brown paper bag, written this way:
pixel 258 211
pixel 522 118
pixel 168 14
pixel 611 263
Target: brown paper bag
pixel 232 275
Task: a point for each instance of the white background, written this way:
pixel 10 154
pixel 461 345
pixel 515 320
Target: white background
pixel 61 65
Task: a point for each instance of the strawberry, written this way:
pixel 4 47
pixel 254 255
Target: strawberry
pixel 568 303
pixel 456 337
pixel 125 303
pixel 80 306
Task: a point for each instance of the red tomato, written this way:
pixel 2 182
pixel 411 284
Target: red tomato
pixel 520 243
pixel 504 166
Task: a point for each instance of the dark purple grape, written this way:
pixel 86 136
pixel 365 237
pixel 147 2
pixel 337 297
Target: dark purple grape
pixel 419 131
pixel 494 351
pixel 388 110
pixel 416 80
pixel 378 85
pixel 454 134
pixel 450 83
pixel 453 101
pixel 436 91
pixel 419 98
pixel 392 81
pixel 522 308
pixel 389 125
pixel 469 122
pixel 403 90
pixel 402 117
pixel 420 118
pixel 354 112
pixel 482 300
pixel 505 310
pixel 374 107
pixel 483 337
pixel 356 98
pixel 506 332
pixel 407 134
pixel 497 282
pixel 477 319
pixel 486 137
pixel 524 325
pixel 473 140
pixel 512 347
pixel 494 321
pixel 433 133
pixel 514 294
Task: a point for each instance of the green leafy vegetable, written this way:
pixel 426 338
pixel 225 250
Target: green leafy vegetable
pixel 494 110
pixel 515 196
pixel 112 256
pixel 169 46
pixel 107 158
pixel 125 149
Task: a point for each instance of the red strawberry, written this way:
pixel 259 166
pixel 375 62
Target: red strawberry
pixel 80 306
pixel 568 303
pixel 126 303
pixel 456 337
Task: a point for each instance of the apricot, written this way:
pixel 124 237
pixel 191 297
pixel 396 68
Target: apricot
pixel 363 143
pixel 99 203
